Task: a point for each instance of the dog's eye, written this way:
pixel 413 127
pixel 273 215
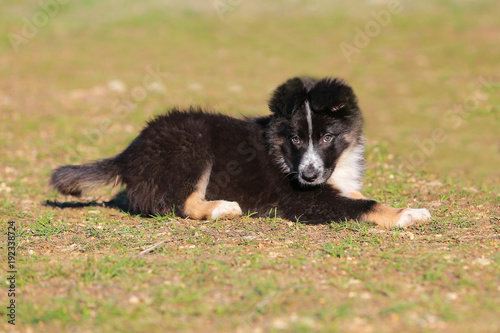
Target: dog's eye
pixel 296 140
pixel 327 138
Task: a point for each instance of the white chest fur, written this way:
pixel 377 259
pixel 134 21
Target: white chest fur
pixel 348 174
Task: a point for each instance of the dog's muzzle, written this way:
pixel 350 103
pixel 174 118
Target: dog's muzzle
pixel 310 174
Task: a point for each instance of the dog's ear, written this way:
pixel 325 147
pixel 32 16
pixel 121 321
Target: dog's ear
pixel 287 97
pixel 332 96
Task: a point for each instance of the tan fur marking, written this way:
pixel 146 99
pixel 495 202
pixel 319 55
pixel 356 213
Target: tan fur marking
pixel 197 208
pixel 386 217
pixel 350 137
pixel 356 195
pixel 116 181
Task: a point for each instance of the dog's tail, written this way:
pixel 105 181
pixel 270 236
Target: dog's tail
pixel 76 179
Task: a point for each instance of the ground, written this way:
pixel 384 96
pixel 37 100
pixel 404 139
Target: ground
pixel 79 80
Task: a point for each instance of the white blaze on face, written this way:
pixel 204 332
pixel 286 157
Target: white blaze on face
pixel 309 121
pixel 311 157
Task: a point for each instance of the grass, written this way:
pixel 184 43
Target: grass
pixel 430 102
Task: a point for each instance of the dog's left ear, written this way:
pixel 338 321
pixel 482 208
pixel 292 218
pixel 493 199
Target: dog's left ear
pixel 332 96
pixel 287 97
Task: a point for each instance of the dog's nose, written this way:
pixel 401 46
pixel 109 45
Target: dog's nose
pixel 310 174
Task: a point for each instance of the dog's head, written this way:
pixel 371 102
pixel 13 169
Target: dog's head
pixel 314 122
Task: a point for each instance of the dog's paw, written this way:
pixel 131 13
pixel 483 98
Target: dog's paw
pixel 411 216
pixel 226 209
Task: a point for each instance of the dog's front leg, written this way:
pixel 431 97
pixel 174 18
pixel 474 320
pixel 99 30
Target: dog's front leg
pixel 388 217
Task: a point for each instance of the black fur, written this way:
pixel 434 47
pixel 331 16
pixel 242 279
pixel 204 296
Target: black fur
pixel 252 161
pixel 75 179
pixel 287 97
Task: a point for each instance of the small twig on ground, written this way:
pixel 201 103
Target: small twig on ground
pixel 149 249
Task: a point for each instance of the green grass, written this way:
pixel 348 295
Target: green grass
pixel 428 91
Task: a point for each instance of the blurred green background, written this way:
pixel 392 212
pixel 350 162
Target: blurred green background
pixel 80 78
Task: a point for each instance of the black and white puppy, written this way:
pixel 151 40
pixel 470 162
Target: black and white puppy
pixel 303 162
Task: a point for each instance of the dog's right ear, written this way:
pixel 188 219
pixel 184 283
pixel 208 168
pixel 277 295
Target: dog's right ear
pixel 287 97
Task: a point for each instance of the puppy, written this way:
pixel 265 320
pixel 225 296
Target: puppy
pixel 304 162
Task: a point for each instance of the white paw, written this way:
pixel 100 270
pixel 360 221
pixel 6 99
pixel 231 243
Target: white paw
pixel 412 216
pixel 226 209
